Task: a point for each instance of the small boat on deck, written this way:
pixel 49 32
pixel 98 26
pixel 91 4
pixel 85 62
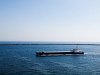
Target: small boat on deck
pixel 75 51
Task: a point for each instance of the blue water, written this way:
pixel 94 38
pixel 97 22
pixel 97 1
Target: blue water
pixel 21 60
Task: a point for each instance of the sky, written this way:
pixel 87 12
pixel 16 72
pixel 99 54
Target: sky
pixel 50 20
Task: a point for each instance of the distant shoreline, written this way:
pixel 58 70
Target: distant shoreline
pixel 49 44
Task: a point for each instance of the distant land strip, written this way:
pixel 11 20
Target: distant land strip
pixel 49 44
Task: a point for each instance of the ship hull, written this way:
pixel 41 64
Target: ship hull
pixel 57 53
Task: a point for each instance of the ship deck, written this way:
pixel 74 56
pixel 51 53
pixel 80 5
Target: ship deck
pixel 57 53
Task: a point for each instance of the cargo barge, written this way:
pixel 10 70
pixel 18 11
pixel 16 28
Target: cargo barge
pixel 55 53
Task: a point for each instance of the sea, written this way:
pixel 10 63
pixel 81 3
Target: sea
pixel 21 59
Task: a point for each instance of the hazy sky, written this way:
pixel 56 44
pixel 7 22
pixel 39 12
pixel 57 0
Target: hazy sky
pixel 50 20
